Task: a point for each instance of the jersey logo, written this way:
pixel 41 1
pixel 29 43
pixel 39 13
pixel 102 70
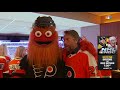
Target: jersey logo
pixel 69 72
pixel 50 71
pixel 37 71
pixel 14 66
pixel 94 71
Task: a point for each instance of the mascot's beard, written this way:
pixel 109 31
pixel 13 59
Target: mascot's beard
pixel 44 56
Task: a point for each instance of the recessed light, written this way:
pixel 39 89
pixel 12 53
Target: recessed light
pixel 108 17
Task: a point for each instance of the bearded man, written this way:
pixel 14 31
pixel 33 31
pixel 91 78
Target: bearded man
pixel 44 58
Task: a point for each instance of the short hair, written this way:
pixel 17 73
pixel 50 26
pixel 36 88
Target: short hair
pixel 112 38
pixel 73 33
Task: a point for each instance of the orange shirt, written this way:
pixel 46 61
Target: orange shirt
pixel 77 65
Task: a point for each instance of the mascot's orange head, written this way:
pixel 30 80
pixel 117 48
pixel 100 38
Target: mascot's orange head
pixel 43 48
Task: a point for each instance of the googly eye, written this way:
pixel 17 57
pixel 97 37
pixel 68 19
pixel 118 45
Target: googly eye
pixel 38 33
pixel 48 33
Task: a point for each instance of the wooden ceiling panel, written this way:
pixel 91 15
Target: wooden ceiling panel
pixel 103 13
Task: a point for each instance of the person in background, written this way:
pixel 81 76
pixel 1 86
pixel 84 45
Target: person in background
pixel 3 61
pixel 112 42
pixel 102 44
pixel 14 67
pixel 76 62
pixel 4 52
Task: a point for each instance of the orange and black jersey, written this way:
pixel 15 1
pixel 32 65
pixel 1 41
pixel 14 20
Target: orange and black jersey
pixel 53 71
pixel 14 65
pixel 77 65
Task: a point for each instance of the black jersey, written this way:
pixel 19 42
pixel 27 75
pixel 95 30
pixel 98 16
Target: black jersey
pixel 53 71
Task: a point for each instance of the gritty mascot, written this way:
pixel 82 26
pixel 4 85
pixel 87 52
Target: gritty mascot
pixel 44 58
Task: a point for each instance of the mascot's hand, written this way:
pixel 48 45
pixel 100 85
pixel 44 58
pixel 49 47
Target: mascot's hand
pixel 85 45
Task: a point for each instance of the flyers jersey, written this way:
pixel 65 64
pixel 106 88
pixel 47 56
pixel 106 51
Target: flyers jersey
pixel 14 65
pixel 3 66
pixel 93 66
pixel 77 65
pixel 52 71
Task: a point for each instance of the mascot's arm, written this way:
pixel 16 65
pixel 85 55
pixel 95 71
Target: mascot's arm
pixel 88 48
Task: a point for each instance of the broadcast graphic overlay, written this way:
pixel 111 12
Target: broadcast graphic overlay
pixel 107 52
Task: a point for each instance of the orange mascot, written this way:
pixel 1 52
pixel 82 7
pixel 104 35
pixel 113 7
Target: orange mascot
pixel 44 58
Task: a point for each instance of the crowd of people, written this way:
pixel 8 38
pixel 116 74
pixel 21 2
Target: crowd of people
pixel 9 65
pixel 45 59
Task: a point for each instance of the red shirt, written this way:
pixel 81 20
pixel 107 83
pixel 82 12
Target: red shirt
pixel 3 66
pixel 7 58
pixel 14 65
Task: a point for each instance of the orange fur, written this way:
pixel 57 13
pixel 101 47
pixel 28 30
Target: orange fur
pixel 43 56
pixel 88 46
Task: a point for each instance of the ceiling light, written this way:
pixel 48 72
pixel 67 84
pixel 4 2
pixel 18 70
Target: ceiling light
pixel 108 17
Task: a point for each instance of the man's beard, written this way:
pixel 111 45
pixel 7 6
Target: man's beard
pixel 44 56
